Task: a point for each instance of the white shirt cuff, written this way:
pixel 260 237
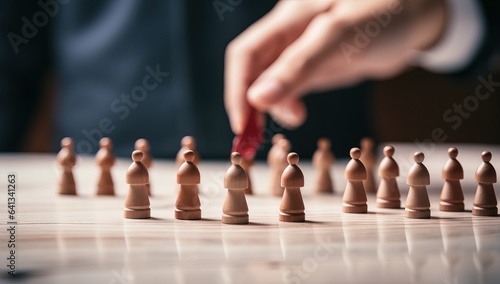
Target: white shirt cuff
pixel 462 38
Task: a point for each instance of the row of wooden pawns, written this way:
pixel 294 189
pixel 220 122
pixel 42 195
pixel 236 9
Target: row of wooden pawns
pixel 291 179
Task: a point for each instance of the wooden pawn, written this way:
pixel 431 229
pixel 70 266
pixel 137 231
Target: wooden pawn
pixel 417 201
pixel 187 205
pixel 388 195
pixel 235 210
pixel 292 206
pixel 354 199
pixel 66 158
pixel 137 200
pixel 452 196
pixel 485 200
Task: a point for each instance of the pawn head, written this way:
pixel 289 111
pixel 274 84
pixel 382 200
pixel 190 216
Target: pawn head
pixel 67 142
pixel 366 143
pixel 188 141
pixel 355 153
pixel 324 143
pixel 486 156
pixel 293 158
pixel 142 144
pixel 453 152
pixel 188 155
pixel 137 156
pixel 389 151
pixel 105 143
pixel 418 157
pixel 277 137
pixel 235 158
pixel 285 143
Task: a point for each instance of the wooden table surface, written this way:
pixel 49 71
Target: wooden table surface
pixel 85 239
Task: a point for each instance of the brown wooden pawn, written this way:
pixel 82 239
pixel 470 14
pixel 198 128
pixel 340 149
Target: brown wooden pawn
pixel 277 161
pixel 388 195
pixel 187 143
pixel 137 200
pixel 235 210
pixel 187 205
pixel 452 196
pixel 247 165
pixel 417 202
pixel 485 200
pixel 66 159
pixel 322 160
pixel 368 159
pixel 354 199
pixel 105 159
pixel 143 146
pixel 292 179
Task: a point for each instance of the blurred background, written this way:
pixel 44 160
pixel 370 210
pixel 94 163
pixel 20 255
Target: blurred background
pixel 79 68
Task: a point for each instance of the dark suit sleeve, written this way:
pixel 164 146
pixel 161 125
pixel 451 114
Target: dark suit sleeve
pixel 23 61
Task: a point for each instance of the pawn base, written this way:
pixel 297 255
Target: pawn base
pixel 299 217
pixel 478 211
pixel 109 190
pixel 137 214
pixel 187 214
pixel 451 207
pixel 417 214
pixel 66 190
pixel 390 204
pixel 234 219
pixel 349 208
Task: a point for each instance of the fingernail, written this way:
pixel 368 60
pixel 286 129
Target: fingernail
pixel 267 91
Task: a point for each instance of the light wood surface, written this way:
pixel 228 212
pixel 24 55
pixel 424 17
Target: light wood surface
pixel 85 239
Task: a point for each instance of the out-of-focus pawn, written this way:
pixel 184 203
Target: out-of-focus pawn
pixel 354 199
pixel 235 210
pixel 277 162
pixel 187 143
pixel 322 160
pixel 187 205
pixel 452 196
pixel 143 146
pixel 66 159
pixel 292 179
pixel 137 200
pixel 105 159
pixel 247 165
pixel 368 159
pixel 417 202
pixel 485 200
pixel 388 195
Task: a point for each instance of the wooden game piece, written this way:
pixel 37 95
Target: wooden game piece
pixel 354 199
pixel 143 146
pixel 235 210
pixel 417 202
pixel 388 195
pixel 452 196
pixel 277 137
pixel 247 165
pixel 137 200
pixel 485 200
pixel 187 143
pixel 105 159
pixel 368 159
pixel 66 159
pixel 187 205
pixel 277 161
pixel 292 179
pixel 322 160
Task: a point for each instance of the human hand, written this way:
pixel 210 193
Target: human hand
pixel 305 46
